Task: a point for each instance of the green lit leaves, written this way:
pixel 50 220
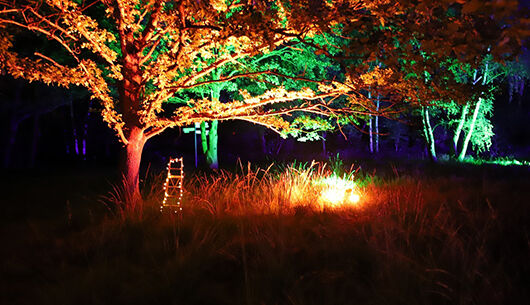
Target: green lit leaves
pixel 307 128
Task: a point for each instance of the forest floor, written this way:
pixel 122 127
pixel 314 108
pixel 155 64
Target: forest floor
pixel 421 234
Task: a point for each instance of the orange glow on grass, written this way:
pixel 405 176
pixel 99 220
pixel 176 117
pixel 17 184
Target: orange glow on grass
pixel 338 192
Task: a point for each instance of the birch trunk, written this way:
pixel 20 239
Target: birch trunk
pixel 429 134
pixel 377 125
pixel 458 131
pixel 462 154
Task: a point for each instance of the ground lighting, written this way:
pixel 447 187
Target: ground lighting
pixel 337 191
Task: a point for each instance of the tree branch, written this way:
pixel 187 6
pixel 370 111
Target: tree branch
pixel 220 80
pixel 153 20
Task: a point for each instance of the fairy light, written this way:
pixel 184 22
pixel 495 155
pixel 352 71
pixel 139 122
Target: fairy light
pixel 173 185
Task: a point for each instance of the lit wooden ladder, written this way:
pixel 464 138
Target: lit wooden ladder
pixel 173 185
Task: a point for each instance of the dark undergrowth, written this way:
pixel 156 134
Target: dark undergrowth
pixel 420 235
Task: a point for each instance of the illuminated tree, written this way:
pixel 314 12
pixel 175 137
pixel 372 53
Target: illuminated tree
pixel 294 60
pixel 154 51
pixel 135 56
pixel 475 128
pixel 478 128
pixel 468 121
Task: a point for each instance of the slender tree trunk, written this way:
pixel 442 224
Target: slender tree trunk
pixel 85 132
pixel 83 142
pixel 458 131
pixel 74 128
pixel 429 134
pixel 131 166
pixel 462 154
pixel 377 125
pixel 371 134
pixel 370 130
pixel 278 147
pixel 34 141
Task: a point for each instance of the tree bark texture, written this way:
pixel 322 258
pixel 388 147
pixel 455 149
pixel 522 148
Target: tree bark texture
pixel 209 144
pixel 458 131
pixel 130 91
pixel 462 154
pixel 131 170
pixel 429 134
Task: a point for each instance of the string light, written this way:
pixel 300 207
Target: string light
pixel 173 185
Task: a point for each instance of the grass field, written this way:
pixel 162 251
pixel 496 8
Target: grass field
pixel 420 234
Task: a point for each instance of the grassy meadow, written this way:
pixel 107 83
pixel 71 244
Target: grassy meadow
pixel 420 234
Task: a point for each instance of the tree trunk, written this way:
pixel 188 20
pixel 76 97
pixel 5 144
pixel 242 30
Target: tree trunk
pixel 377 125
pixel 371 134
pixel 130 92
pixel 370 130
pixel 131 166
pixel 458 131
pixel 429 134
pixel 475 115
pixel 209 144
pixel 462 154
pixel 74 129
pixel 85 132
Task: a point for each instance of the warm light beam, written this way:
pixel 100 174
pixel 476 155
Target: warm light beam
pixel 337 191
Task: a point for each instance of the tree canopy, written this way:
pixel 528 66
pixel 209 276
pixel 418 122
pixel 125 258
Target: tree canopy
pixel 134 56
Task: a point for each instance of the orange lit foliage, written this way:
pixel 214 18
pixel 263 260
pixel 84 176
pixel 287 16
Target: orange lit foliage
pixel 152 51
pixel 164 48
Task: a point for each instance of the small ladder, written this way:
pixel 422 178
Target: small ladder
pixel 173 185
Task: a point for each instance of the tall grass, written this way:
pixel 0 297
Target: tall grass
pixel 282 190
pixel 261 236
pixel 430 234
